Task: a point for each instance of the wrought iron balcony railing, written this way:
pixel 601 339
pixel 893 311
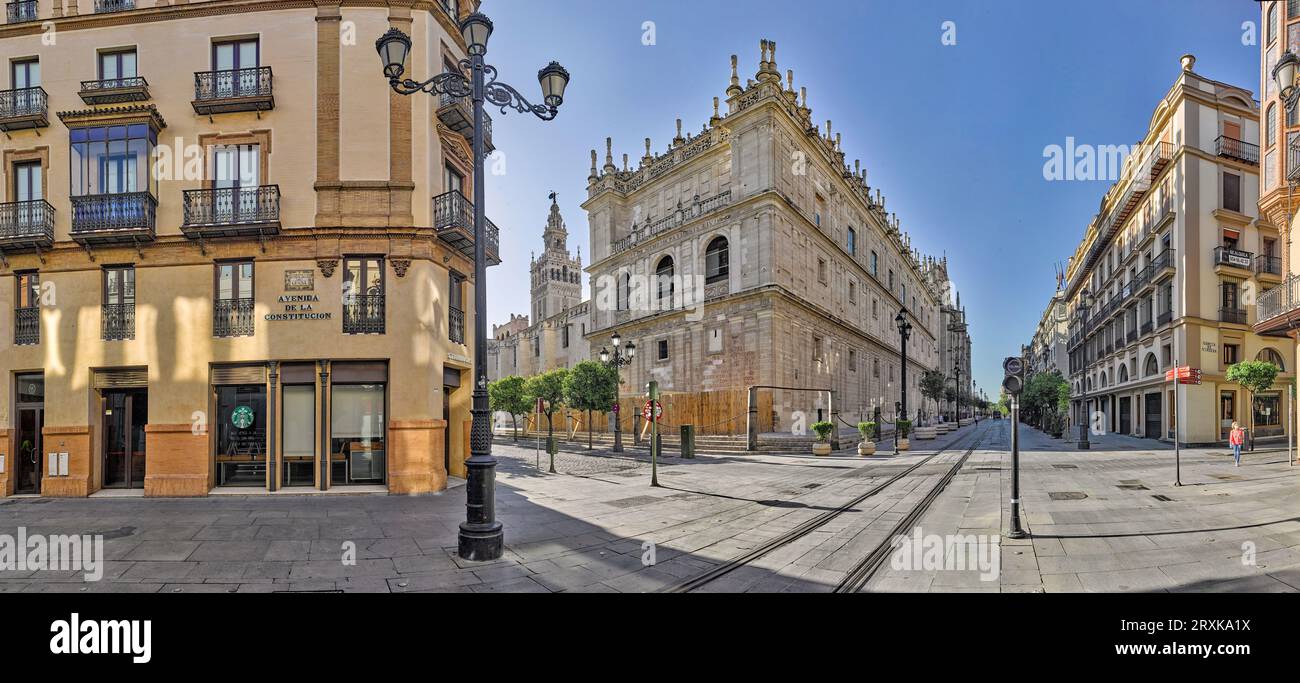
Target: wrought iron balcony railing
pixel 1164 317
pixel 1164 261
pixel 23 108
pixel 457 113
pixel 1132 336
pixel 1147 327
pixel 1233 315
pixel 26 225
pixel 232 211
pixel 453 218
pixel 27 326
pixel 118 321
pixel 114 218
pixel 363 314
pixel 115 90
pixel 1233 148
pixel 1293 161
pixel 1233 258
pixel 456 325
pixel 1279 302
pixel 102 6
pixel 1271 265
pixel 20 11
pixel 217 92
pixel 233 317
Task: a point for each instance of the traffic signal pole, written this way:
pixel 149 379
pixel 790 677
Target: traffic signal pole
pixel 1016 531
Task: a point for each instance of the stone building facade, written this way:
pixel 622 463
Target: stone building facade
pixel 558 338
pixel 751 253
pixel 279 306
pixel 1171 267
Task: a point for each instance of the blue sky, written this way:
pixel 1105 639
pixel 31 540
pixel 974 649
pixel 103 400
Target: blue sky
pixel 953 135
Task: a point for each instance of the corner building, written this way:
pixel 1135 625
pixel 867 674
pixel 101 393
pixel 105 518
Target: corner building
pixel 230 255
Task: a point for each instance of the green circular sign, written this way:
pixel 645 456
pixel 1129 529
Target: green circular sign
pixel 242 417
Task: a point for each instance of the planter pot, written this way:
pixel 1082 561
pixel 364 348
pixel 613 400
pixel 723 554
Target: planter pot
pixel 903 445
pixel 866 448
pixel 822 448
pixel 925 433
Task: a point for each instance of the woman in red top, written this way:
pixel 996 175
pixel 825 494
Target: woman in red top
pixel 1236 437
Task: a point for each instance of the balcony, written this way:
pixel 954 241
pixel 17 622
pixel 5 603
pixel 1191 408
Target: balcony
pixel 20 11
pixel 1162 265
pixel 455 325
pixel 1268 268
pixel 105 6
pixel 118 321
pixel 1232 261
pixel 1293 161
pixel 127 218
pixel 1164 317
pixel 1147 327
pixel 232 90
pixel 1278 309
pixel 363 314
pixel 232 212
pixel 23 108
pixel 1132 336
pixel 453 218
pixel 114 90
pixel 27 326
pixel 457 113
pixel 1236 316
pixel 1141 280
pixel 232 317
pixel 1233 148
pixel 26 226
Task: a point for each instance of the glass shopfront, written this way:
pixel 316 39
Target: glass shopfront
pixel 1268 414
pixel 298 435
pixel 358 426
pixel 241 435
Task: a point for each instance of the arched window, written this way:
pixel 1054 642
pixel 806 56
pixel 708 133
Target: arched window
pixel 1152 367
pixel 1270 355
pixel 1102 379
pixel 664 282
pixel 716 265
pixel 1123 374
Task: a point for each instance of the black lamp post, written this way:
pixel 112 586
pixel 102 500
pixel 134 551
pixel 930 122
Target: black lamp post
pixel 1084 303
pixel 617 360
pixel 956 369
pixel 904 332
pixel 481 537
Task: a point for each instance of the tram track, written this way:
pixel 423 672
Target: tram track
pixel 814 523
pixel 866 568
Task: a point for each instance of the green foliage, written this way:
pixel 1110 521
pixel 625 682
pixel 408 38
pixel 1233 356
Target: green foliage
pixel 949 394
pixel 1254 375
pixel 548 386
pixel 866 429
pixel 508 396
pixel 591 385
pixel 823 429
pixel 933 385
pixel 904 428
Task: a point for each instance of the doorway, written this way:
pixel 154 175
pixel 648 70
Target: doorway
pixel 31 419
pixel 1227 413
pixel 126 412
pixel 1125 415
pixel 1152 430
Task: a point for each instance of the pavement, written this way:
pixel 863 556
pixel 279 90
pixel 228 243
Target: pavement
pixel 598 526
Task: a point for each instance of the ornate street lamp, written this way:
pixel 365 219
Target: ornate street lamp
pixel 622 355
pixel 1284 74
pixel 904 332
pixel 481 537
pixel 1085 302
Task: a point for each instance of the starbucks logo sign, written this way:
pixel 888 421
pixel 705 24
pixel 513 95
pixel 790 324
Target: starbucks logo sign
pixel 242 417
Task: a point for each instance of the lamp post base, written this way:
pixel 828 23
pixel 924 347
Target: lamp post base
pixel 480 544
pixel 1083 438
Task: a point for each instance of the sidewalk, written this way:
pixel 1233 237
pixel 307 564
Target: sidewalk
pixel 1109 519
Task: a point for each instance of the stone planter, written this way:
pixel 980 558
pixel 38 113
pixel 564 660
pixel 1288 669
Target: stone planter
pixel 867 448
pixel 926 433
pixel 822 448
pixel 903 445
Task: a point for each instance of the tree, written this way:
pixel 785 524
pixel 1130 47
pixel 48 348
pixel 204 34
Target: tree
pixel 1041 399
pixel 548 386
pixel 950 395
pixel 933 386
pixel 1255 376
pixel 508 396
pixel 589 386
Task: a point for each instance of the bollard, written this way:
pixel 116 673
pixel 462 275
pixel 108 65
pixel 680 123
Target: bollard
pixel 688 441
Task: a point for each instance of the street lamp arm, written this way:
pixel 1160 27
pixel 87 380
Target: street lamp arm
pixel 453 84
pixel 506 96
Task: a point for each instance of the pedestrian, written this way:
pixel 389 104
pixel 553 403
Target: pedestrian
pixel 1236 437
